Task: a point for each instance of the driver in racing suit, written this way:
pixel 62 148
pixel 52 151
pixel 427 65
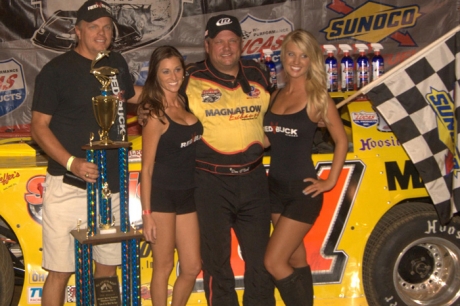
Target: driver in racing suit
pixel 230 97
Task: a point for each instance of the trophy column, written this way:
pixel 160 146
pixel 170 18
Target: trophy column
pixel 105 291
pixel 99 200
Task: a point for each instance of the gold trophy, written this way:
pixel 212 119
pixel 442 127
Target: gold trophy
pixel 91 291
pixel 105 105
pixel 105 110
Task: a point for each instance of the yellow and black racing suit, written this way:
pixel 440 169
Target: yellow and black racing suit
pixel 232 190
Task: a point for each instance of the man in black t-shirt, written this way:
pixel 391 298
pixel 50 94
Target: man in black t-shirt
pixel 62 120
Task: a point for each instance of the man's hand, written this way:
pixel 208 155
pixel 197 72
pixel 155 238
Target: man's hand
pixel 85 170
pixel 142 116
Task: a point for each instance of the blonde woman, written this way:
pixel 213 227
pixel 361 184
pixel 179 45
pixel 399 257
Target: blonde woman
pixel 295 190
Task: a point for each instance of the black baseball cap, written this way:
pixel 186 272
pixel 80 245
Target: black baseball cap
pixel 92 10
pixel 220 23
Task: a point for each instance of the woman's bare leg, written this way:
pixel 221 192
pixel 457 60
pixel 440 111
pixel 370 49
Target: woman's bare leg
pixel 163 256
pixel 188 247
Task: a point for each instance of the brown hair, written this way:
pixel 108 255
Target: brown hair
pixel 152 95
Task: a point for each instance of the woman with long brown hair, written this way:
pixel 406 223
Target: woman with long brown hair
pixel 167 186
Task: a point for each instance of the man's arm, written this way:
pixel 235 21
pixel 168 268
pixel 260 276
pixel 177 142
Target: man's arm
pixel 45 138
pixel 137 93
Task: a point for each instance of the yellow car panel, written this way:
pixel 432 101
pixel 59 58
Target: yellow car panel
pixel 377 175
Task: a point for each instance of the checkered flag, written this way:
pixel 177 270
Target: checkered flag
pixel 420 100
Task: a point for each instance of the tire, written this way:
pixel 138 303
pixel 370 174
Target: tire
pixel 411 259
pixel 6 276
pixel 10 240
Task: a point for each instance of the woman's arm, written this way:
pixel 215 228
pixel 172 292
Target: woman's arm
pixel 266 142
pixel 151 134
pixel 337 132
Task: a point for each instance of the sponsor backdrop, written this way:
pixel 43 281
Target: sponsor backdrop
pixel 34 31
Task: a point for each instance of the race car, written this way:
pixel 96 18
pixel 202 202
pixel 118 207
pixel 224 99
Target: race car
pixel 377 241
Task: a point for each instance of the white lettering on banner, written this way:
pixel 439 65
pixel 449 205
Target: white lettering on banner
pixel 11 97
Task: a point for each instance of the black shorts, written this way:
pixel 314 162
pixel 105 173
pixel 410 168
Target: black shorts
pixel 172 201
pixel 287 199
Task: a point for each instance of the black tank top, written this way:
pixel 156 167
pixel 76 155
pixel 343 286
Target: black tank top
pixel 175 157
pixel 291 139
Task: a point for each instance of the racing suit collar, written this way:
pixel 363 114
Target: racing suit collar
pixel 240 78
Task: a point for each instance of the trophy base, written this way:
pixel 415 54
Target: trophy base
pixel 99 145
pixel 99 238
